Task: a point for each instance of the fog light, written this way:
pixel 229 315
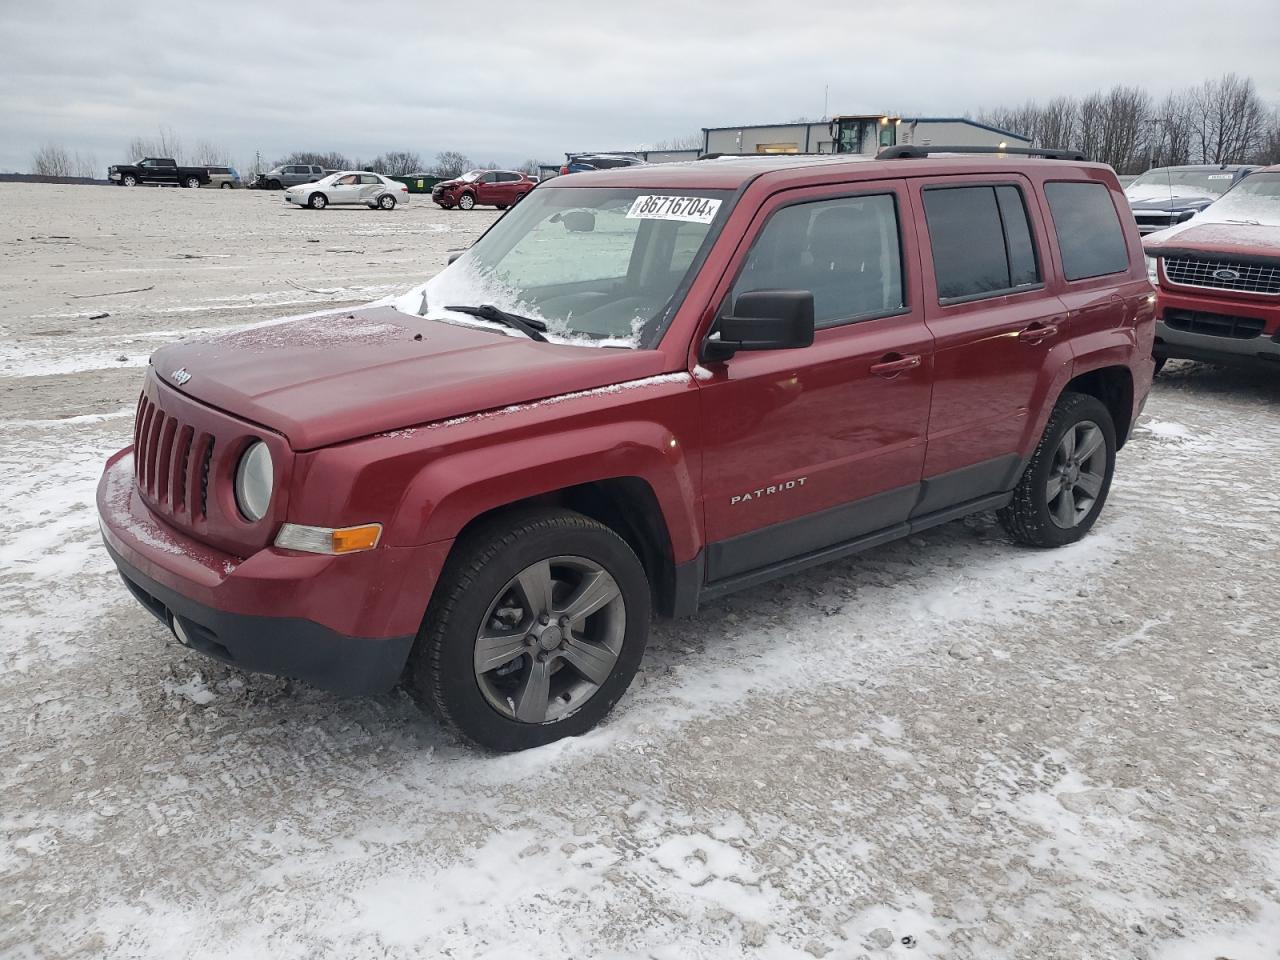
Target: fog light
pixel 330 540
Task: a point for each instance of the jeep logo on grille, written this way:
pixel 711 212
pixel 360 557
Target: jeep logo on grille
pixel 1226 274
pixel 180 376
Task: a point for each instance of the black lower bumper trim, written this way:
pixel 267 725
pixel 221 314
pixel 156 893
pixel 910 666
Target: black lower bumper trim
pixel 281 646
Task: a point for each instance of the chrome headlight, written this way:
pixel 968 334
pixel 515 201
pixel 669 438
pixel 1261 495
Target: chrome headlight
pixel 1153 273
pixel 255 478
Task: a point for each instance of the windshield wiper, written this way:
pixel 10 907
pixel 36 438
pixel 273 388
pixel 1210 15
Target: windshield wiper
pixel 531 328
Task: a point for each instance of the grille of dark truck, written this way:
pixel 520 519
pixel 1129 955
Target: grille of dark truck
pixel 1223 275
pixel 1213 324
pixel 171 463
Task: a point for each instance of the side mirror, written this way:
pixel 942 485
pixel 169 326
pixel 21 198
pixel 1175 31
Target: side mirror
pixel 577 221
pixel 763 320
pixel 454 255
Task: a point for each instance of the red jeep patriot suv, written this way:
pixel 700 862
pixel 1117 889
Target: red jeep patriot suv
pixel 642 388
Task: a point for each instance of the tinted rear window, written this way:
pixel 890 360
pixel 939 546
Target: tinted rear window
pixel 1089 232
pixel 981 240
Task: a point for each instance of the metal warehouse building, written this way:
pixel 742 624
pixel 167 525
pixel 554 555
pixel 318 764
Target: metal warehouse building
pixel 865 133
pixel 860 133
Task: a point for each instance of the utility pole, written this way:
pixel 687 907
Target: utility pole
pixel 826 91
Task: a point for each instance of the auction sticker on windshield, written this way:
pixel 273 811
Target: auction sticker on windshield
pixel 689 209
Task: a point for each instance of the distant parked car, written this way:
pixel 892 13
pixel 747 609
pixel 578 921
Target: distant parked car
pixel 289 175
pixel 483 188
pixel 160 170
pixel 1218 279
pixel 225 178
pixel 582 162
pixel 349 187
pixel 1164 196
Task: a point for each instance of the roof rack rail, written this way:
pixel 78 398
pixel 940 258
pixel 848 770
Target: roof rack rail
pixel 763 156
pixel 914 152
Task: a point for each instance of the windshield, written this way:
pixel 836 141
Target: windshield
pixel 472 175
pixel 604 267
pixel 1182 183
pixel 1255 199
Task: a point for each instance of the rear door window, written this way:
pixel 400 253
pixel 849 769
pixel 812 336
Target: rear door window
pixel 981 241
pixel 1089 232
pixel 846 251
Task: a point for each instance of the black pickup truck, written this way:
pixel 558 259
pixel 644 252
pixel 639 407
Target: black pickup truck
pixel 162 170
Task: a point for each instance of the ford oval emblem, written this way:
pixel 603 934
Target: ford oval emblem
pixel 180 376
pixel 1226 274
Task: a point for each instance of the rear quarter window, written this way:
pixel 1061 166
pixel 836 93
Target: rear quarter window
pixel 1088 228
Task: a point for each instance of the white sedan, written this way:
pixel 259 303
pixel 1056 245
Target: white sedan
pixel 350 186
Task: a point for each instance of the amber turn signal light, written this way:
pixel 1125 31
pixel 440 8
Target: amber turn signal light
pixel 330 540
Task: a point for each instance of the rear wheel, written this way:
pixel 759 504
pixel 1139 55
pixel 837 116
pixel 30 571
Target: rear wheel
pixel 1065 485
pixel 536 628
pixel 1160 362
pixel 387 202
pixel 466 201
pixel 226 186
pixel 192 183
pixel 317 201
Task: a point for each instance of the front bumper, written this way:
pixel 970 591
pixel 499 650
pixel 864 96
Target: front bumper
pixel 340 625
pixel 1192 326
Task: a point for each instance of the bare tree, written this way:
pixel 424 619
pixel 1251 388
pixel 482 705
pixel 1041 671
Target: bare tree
pixel 1268 151
pixel 1057 123
pixel 531 167
pixel 687 141
pixel 52 160
pixel 85 165
pixel 451 163
pixel 1229 119
pixel 166 143
pixel 396 163
pixel 208 153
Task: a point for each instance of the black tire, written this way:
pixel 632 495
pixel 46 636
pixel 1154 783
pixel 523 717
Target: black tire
pixel 467 201
pixel 317 201
pixel 501 206
pixel 1027 518
pixel 1160 362
pixel 227 186
pixel 192 183
pixel 129 180
pixel 274 185
pixel 441 671
pixel 386 202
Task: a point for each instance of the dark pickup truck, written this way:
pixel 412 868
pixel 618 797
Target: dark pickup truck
pixel 160 170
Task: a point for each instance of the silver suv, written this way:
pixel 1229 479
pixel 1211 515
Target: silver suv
pixel 225 178
pixel 289 175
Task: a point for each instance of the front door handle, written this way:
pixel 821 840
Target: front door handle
pixel 1038 331
pixel 893 364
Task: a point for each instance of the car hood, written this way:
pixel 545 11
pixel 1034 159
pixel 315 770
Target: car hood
pixel 1169 204
pixel 1247 241
pixel 325 379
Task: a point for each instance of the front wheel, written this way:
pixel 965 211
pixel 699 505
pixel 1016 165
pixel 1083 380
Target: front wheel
pixel 129 180
pixel 466 201
pixel 1065 485
pixel 227 186
pixel 317 201
pixel 535 630
pixel 274 185
pixel 387 202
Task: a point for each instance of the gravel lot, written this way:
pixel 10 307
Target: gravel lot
pixel 950 746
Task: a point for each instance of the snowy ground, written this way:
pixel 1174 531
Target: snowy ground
pixel 946 747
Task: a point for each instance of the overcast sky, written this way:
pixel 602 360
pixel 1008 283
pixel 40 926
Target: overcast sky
pixel 506 81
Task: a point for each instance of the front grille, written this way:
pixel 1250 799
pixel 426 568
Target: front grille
pixel 164 448
pixel 1223 275
pixel 1213 324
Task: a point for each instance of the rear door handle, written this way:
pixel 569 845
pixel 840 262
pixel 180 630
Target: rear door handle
pixel 1037 332
pixel 892 367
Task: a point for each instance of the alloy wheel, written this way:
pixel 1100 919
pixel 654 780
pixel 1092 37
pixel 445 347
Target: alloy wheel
pixel 1077 474
pixel 550 639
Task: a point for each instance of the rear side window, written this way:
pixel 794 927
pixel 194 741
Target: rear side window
pixel 981 241
pixel 1089 232
pixel 846 251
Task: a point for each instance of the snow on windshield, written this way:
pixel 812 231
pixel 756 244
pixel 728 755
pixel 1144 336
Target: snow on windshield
pixel 1255 200
pixel 463 284
pixel 1165 183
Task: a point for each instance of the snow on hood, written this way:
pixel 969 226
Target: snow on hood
pixel 1155 191
pixel 1234 220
